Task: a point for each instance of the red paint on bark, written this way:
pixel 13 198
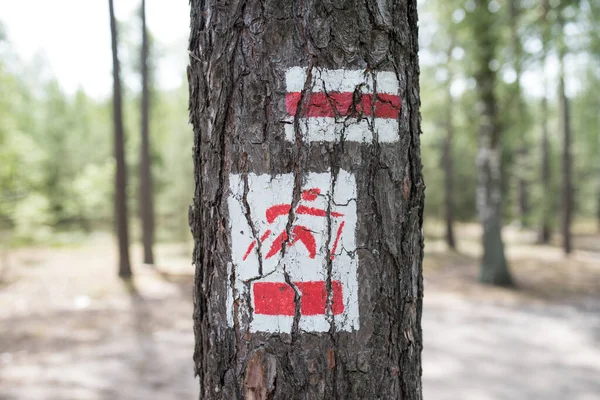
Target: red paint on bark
pixel 343 104
pixel 277 298
pixel 299 232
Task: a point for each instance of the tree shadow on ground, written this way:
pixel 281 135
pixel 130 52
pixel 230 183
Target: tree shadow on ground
pixel 183 281
pixel 132 346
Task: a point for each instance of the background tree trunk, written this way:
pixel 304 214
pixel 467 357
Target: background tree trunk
pixel 567 186
pixel 546 198
pixel 545 232
pixel 596 106
pixel 494 268
pixel 598 181
pixel 146 194
pixel 121 171
pixel 447 159
pixel 240 54
pixel 522 152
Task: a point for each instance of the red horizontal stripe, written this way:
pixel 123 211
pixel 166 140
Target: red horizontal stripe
pixel 341 104
pixel 277 298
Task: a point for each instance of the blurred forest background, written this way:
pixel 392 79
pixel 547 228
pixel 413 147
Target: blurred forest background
pixel 546 59
pixel 57 158
pixel 70 329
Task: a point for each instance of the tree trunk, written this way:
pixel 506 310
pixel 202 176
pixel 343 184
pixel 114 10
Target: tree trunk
pixel 598 178
pixel 546 198
pixel 494 268
pixel 299 133
pixel 544 233
pixel 567 186
pixel 598 167
pixel 448 163
pixel 146 195
pixel 522 154
pixel 121 171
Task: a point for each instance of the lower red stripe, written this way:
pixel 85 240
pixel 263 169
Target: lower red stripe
pixel 277 298
pixel 342 104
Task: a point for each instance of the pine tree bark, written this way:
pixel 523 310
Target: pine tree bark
pixel 146 194
pixel 494 268
pixel 121 170
pixel 240 53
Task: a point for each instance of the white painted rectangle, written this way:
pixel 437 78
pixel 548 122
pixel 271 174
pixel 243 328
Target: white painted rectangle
pixel 306 260
pixel 330 108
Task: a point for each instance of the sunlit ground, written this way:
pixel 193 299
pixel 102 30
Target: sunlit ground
pixel 540 341
pixel 69 329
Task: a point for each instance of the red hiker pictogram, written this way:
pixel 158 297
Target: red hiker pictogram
pixel 299 232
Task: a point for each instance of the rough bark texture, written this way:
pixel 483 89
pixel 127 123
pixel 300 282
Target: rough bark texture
pixel 146 198
pixel 494 268
pixel 567 185
pixel 239 52
pixel 121 171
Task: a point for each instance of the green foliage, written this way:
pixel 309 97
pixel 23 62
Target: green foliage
pixel 90 193
pixel 32 218
pixel 586 124
pixel 172 163
pixel 56 150
pixel 522 34
pixel 56 156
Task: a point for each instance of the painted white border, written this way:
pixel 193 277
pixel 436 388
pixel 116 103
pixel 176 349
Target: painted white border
pixel 341 80
pixel 327 129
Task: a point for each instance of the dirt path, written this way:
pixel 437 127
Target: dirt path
pixel 482 351
pixel 69 329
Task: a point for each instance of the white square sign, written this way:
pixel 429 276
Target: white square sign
pixel 273 262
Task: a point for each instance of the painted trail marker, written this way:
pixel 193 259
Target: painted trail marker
pixel 343 102
pixel 322 233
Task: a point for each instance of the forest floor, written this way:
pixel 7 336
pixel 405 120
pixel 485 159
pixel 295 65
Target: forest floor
pixel 70 329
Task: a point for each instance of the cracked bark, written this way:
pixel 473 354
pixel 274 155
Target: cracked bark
pixel 239 53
